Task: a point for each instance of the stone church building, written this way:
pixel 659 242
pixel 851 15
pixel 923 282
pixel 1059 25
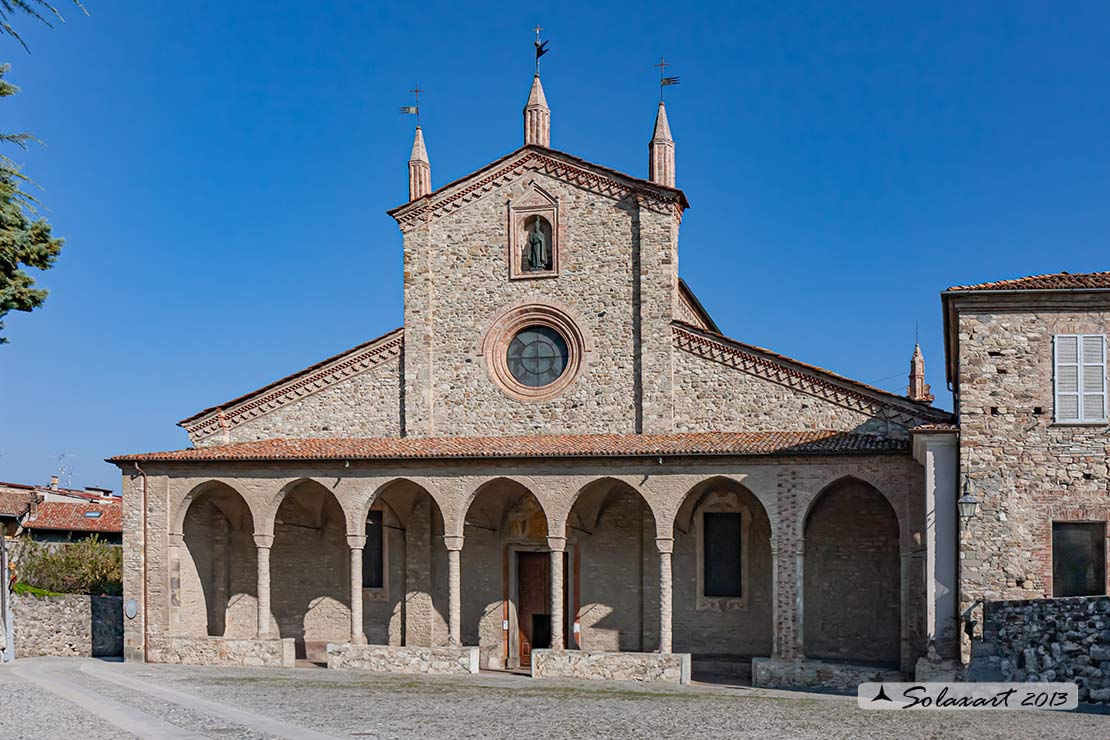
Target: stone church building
pixel 558 464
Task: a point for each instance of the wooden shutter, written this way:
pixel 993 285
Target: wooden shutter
pixel 1093 376
pixel 1079 375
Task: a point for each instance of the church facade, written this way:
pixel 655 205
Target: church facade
pixel 558 464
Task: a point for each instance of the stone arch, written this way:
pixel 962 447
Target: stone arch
pixel 410 606
pixel 310 568
pixel 735 627
pixel 180 510
pixel 612 568
pixel 217 565
pixel 501 519
pixel 879 483
pixel 852 605
pixel 273 503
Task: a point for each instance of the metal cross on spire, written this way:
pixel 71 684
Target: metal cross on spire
pixel 664 81
pixel 541 47
pixel 413 110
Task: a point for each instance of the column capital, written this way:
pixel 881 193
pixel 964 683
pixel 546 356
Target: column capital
pixel 356 541
pixel 177 539
pixel 664 544
pixel 556 544
pixel 265 541
pixel 453 542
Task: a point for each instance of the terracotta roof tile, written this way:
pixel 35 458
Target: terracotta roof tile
pixel 1051 281
pixel 58 515
pixel 951 428
pixel 544 445
pixel 14 503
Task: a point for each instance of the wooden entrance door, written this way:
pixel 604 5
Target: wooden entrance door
pixel 533 595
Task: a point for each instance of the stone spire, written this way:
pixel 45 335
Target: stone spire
pixel 918 390
pixel 420 169
pixel 537 116
pixel 661 164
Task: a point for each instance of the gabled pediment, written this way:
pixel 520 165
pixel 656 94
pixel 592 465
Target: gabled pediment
pixel 550 162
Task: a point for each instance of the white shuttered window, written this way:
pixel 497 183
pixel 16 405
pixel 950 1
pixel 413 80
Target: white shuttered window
pixel 1080 377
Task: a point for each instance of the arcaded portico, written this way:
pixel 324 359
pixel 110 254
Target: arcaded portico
pixel 600 553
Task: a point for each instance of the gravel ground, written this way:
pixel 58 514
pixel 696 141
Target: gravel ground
pixel 351 704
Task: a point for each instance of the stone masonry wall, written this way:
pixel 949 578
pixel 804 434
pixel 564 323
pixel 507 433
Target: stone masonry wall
pixel 1047 640
pixel 1027 470
pixel 457 283
pixel 647 667
pixel 394 659
pixel 364 405
pixel 712 397
pixel 221 651
pixel 72 625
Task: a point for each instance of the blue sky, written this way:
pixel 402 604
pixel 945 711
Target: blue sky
pixel 221 173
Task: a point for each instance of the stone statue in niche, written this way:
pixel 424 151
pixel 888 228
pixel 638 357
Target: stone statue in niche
pixel 539 246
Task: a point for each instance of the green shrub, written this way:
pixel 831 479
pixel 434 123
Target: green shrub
pixel 23 589
pixel 84 567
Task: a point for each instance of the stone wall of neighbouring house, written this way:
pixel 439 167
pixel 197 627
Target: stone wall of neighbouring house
pixel 1047 640
pixel 68 625
pixel 397 659
pixel 663 667
pixel 1027 470
pixel 220 651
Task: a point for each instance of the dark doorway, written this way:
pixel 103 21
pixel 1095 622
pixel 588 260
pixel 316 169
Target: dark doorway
pixel 1078 559
pixel 533 595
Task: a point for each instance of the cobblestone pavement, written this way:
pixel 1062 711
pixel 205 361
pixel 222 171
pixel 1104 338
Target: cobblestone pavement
pixel 91 700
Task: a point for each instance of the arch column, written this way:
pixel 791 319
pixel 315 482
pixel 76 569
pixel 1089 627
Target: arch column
pixel 176 544
pixel 665 546
pixel 557 545
pixel 356 543
pixel 263 543
pixel 454 545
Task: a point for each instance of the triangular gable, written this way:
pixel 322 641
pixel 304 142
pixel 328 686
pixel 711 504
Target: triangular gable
pixel 809 379
pixel 323 374
pixel 563 166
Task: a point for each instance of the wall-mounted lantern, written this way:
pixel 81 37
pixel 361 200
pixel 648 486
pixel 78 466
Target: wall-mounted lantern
pixel 967 504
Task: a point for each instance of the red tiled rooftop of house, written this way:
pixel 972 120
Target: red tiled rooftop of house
pixel 1051 281
pixel 77 517
pixel 545 445
pixel 15 503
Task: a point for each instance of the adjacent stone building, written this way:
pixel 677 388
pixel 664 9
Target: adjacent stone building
pixel 559 451
pixel 1028 369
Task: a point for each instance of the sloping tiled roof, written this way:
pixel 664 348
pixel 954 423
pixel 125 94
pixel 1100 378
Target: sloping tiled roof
pixel 57 515
pixel 15 503
pixel 1051 281
pixel 539 446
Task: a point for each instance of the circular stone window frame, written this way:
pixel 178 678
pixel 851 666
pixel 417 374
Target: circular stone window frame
pixel 495 348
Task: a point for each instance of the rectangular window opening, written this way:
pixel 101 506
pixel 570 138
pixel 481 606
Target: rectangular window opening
pixel 721 546
pixel 372 555
pixel 1079 378
pixel 1078 559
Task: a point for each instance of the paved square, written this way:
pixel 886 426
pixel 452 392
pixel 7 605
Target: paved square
pixel 91 700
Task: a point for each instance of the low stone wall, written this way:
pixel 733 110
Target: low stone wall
pixel 1064 639
pixel 221 651
pixel 68 625
pixel 397 659
pixel 664 667
pixel 789 674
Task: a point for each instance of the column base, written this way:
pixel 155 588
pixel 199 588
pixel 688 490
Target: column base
pixel 403 659
pixel 790 673
pixel 646 667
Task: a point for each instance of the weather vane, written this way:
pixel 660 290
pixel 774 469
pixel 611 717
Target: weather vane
pixel 413 110
pixel 663 79
pixel 541 46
